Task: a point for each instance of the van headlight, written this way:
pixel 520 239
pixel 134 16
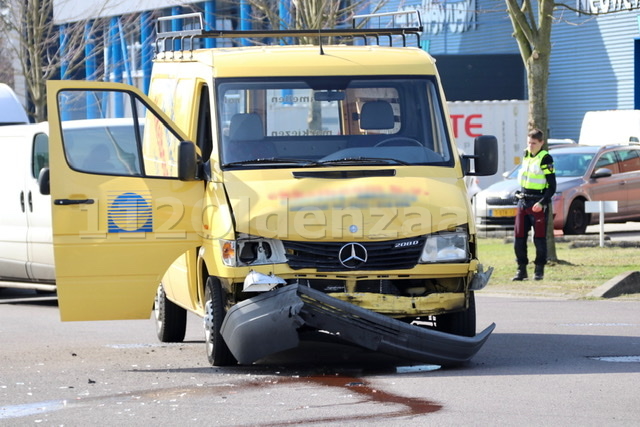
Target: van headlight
pixel 446 246
pixel 250 250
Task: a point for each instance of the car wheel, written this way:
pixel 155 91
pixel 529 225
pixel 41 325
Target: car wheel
pixel 577 219
pixel 218 352
pixel 460 323
pixel 171 319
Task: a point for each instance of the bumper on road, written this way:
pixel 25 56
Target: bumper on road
pixel 269 323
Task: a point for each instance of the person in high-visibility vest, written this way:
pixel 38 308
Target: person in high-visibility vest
pixel 537 180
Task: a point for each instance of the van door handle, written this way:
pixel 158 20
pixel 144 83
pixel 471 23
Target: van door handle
pixel 30 201
pixel 22 200
pixel 62 202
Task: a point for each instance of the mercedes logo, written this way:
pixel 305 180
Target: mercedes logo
pixel 352 255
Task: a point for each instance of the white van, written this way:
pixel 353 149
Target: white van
pixel 610 127
pixel 26 253
pixel 12 111
pixel 26 250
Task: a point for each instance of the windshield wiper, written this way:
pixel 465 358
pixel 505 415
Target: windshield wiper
pixel 363 160
pixel 267 160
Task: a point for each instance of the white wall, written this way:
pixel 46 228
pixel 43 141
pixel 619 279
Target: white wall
pixel 76 10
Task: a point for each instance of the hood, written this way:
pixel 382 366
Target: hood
pixel 563 184
pixel 501 189
pixel 506 188
pixel 275 204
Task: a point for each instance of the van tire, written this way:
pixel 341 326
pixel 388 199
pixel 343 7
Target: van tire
pixel 218 352
pixel 171 319
pixel 577 219
pixel 461 322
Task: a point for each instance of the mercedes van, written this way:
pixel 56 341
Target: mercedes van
pixel 277 191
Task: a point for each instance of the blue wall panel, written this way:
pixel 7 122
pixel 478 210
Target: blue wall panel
pixel 592 58
pixel 450 32
pixel 591 68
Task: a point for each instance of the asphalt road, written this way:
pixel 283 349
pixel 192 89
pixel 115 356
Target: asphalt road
pixel 549 362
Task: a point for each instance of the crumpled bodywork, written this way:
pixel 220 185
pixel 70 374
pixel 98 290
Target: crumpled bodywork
pixel 269 323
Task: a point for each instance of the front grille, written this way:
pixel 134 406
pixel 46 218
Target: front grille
pixel 499 201
pixel 386 255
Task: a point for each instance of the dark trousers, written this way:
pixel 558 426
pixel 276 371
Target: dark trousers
pixel 525 220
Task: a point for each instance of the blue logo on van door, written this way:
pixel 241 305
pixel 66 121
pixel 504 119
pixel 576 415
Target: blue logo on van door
pixel 129 212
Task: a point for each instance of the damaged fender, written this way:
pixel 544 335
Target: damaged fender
pixel 269 323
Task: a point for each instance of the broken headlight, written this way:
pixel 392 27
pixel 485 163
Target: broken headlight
pixel 251 250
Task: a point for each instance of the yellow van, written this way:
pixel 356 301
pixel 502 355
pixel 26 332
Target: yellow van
pixel 322 193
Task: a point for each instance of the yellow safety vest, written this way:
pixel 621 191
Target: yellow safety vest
pixel 532 176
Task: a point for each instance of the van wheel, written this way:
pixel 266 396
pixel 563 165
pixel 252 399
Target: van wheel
pixel 218 352
pixel 460 323
pixel 171 319
pixel 577 219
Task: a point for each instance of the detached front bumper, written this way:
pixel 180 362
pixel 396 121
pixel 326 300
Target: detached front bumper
pixel 269 323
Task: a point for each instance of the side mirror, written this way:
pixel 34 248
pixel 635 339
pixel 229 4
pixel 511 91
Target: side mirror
pixel 187 161
pixel 601 173
pixel 44 181
pixel 485 156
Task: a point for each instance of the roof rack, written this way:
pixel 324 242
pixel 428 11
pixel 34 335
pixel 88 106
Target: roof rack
pixel 192 25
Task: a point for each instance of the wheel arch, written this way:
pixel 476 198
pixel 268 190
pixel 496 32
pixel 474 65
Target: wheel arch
pixel 202 275
pixel 579 197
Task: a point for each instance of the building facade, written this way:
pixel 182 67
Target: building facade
pixel 595 61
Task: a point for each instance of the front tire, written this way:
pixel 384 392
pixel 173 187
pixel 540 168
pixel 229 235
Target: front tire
pixel 171 319
pixel 218 352
pixel 577 219
pixel 459 323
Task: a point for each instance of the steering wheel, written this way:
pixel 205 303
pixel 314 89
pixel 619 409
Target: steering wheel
pixel 411 141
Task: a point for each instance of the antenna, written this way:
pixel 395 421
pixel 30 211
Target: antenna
pixel 320 42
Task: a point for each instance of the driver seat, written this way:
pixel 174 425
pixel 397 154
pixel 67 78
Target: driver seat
pixel 246 139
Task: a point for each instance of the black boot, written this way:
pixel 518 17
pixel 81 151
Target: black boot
pixel 539 272
pixel 521 274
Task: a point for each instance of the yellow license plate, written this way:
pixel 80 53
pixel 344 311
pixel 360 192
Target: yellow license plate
pixel 503 212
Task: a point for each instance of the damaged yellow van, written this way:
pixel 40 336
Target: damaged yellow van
pixel 275 191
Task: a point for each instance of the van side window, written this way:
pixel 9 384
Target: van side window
pixel 204 138
pixel 40 158
pixel 102 146
pixel 112 132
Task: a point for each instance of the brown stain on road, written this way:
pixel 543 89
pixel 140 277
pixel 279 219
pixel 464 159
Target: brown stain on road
pixel 409 406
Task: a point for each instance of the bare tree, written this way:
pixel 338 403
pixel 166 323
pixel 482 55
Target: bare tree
pixel 532 31
pixel 305 15
pixel 309 14
pixel 6 68
pixel 34 42
pixel 45 50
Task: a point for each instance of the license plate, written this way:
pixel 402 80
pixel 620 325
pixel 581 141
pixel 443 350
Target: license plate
pixel 502 212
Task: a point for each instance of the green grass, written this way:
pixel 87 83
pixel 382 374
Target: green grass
pixel 578 271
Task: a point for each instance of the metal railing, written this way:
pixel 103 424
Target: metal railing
pixel 192 27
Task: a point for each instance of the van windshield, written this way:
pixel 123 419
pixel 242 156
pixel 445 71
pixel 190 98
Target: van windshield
pixel 328 121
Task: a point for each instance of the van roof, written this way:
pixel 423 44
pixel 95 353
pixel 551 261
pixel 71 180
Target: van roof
pixel 380 48
pixel 12 110
pixel 296 60
pixel 608 127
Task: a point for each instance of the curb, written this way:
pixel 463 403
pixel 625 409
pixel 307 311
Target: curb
pixel 624 283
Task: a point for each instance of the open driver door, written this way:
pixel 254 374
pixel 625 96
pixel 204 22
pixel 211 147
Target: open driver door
pixel 121 215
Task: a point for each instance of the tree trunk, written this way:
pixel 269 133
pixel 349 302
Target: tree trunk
pixel 538 80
